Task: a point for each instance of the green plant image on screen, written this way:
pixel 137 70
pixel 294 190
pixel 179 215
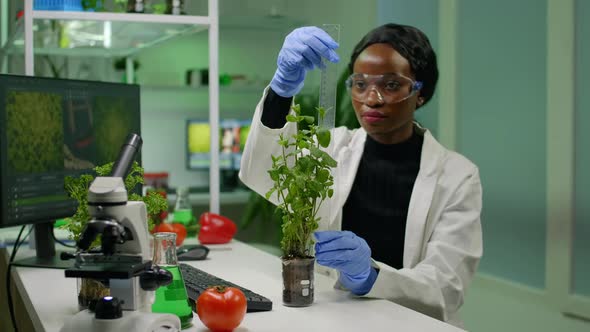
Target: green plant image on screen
pixel 113 122
pixel 34 124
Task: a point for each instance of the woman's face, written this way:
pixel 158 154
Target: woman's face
pixel 387 123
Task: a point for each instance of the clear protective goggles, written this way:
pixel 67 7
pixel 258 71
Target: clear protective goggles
pixel 388 88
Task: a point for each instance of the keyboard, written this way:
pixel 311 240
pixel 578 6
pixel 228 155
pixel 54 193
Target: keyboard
pixel 197 281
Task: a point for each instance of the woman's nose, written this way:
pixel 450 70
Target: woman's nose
pixel 374 97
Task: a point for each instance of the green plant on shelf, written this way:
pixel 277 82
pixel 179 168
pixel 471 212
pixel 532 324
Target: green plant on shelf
pixel 121 6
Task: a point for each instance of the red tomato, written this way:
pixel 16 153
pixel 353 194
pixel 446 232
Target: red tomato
pixel 163 227
pixel 221 308
pixel 180 231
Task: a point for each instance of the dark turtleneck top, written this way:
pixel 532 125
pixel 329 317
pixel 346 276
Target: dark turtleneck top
pixel 377 207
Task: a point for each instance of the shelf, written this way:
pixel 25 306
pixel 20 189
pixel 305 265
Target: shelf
pixel 259 22
pixel 102 34
pixel 122 17
pixel 237 88
pixel 225 197
pixel 85 34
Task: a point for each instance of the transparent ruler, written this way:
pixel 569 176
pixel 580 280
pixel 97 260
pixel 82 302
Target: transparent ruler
pixel 329 82
pixel 327 100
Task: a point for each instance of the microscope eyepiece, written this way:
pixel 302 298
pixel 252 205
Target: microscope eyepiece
pixel 126 156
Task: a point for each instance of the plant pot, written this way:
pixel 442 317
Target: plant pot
pixel 90 291
pixel 298 282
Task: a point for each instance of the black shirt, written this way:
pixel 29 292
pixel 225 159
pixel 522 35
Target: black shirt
pixel 377 206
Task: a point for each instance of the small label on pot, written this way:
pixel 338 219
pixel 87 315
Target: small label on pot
pixel 305 282
pixel 305 292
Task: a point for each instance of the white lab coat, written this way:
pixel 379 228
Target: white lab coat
pixel 443 241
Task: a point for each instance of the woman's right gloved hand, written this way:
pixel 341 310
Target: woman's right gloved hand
pixel 302 50
pixel 350 254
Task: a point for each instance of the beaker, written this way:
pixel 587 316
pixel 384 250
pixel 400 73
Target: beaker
pixel 183 212
pixel 172 298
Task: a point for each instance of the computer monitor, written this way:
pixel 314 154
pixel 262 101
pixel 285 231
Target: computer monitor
pixel 232 138
pixel 50 129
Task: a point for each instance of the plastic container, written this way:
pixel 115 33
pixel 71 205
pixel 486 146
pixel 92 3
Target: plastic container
pixel 64 5
pixel 156 180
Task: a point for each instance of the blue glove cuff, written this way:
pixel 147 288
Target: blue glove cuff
pixel 359 285
pixel 284 87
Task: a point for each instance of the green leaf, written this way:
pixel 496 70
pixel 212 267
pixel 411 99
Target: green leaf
pixel 274 174
pixel 321 112
pixel 323 175
pixel 284 142
pixel 291 118
pixel 269 193
pixel 309 119
pixel 302 144
pixel 315 152
pixel 323 136
pixel 329 161
pixel 104 170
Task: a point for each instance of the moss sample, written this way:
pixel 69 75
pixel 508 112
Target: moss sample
pixel 34 125
pixel 114 121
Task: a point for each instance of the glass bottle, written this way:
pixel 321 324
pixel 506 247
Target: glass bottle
pixel 174 7
pixel 135 6
pixel 172 298
pixel 183 212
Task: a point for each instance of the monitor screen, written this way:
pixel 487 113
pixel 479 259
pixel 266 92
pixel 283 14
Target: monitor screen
pixel 232 137
pixel 53 128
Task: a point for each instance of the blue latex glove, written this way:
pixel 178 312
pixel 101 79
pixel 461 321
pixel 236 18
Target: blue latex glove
pixel 349 254
pixel 302 50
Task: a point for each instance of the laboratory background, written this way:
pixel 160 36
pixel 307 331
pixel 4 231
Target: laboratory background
pixel 512 97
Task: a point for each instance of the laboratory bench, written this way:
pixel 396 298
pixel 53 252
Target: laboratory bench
pixel 46 298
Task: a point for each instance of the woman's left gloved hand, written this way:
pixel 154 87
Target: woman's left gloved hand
pixel 349 254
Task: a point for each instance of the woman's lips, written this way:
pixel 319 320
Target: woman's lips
pixel 373 116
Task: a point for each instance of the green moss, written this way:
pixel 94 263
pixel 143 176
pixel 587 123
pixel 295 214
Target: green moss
pixel 36 120
pixel 113 122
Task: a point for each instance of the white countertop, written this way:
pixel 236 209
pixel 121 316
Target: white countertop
pixel 50 298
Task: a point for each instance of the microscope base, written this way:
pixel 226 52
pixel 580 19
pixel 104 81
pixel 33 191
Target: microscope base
pixel 130 322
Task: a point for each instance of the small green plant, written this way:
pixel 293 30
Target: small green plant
pixel 302 181
pixel 77 188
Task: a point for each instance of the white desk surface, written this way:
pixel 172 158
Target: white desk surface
pixel 50 298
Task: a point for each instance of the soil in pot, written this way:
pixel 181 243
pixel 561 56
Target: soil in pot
pixel 298 282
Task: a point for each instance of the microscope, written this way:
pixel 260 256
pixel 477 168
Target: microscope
pixel 124 260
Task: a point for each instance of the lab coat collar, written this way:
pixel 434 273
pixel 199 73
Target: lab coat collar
pixel 432 151
pixel 424 187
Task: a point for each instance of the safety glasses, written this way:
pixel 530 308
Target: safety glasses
pixel 388 88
